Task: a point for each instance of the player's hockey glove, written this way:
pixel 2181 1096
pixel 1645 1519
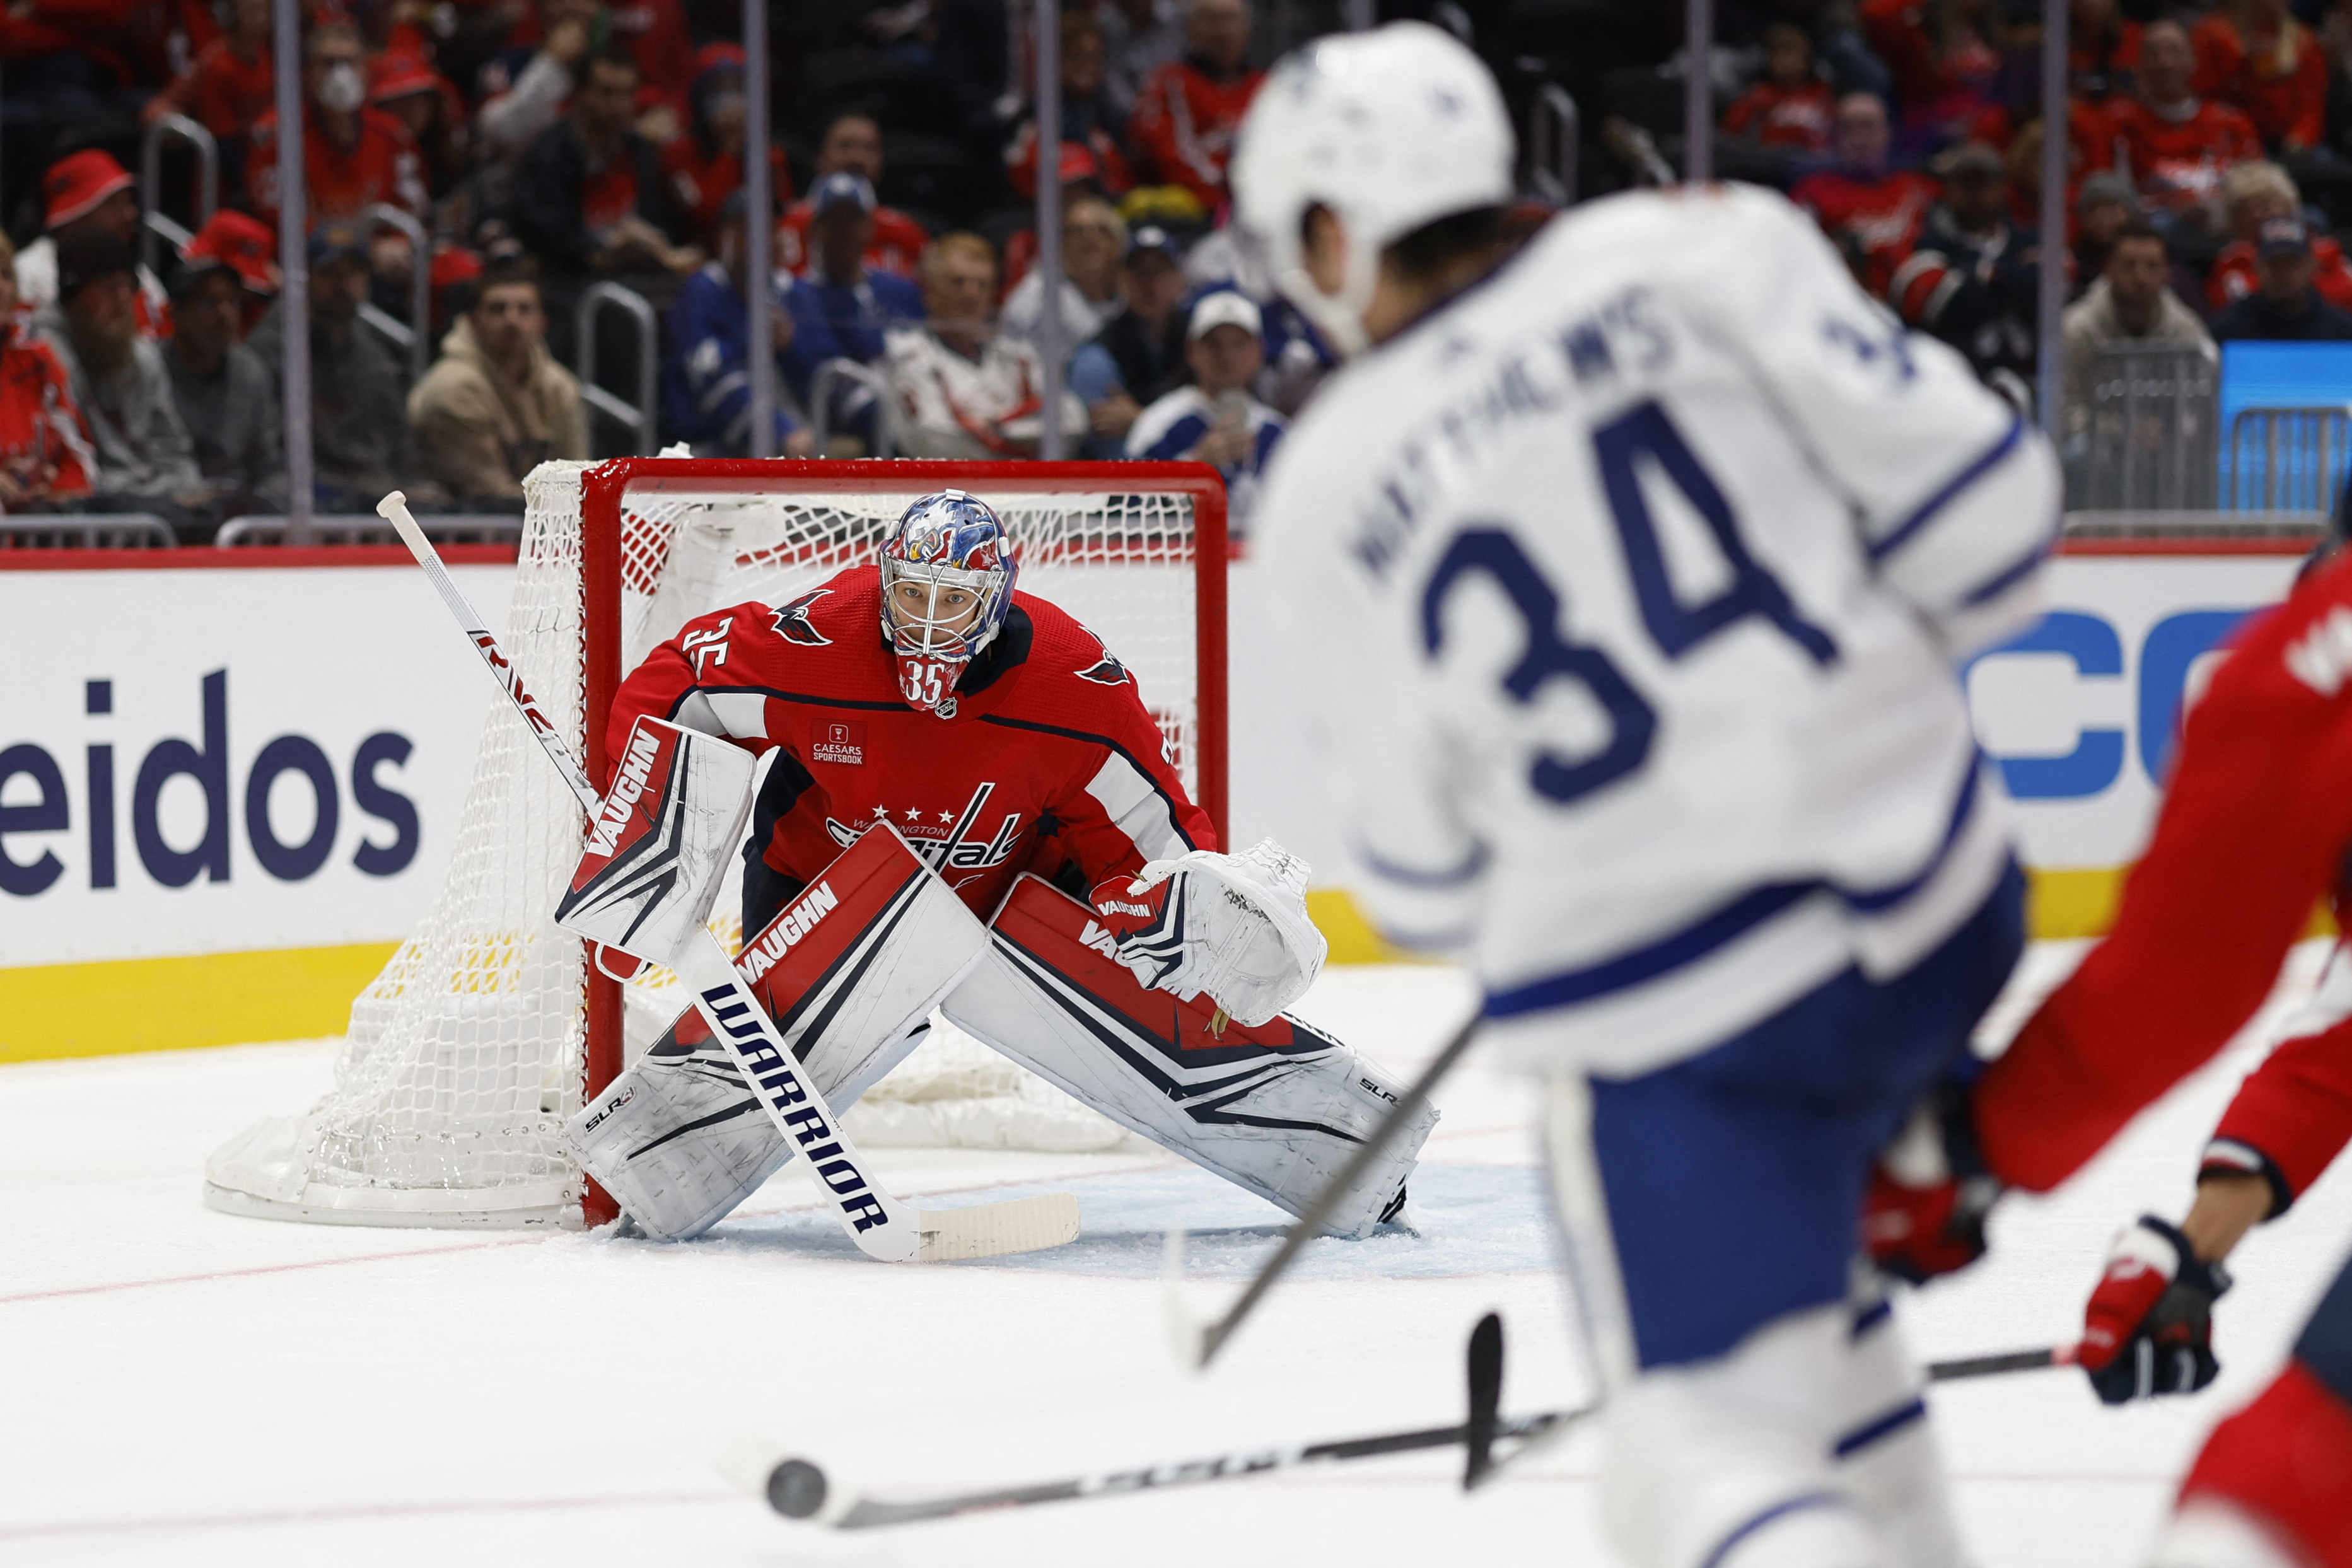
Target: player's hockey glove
pixel 1233 925
pixel 1930 1193
pixel 2148 1328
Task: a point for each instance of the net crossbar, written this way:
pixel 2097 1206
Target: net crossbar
pixel 478 1040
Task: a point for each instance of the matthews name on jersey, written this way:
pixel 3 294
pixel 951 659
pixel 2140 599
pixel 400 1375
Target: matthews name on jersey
pixel 1045 761
pixel 1634 579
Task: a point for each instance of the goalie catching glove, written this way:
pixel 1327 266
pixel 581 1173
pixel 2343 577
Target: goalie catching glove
pixel 1235 926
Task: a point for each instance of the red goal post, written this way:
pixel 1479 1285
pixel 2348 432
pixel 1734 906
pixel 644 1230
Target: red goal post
pixel 614 494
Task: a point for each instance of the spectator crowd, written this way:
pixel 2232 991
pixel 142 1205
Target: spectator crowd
pixel 2209 156
pixel 541 147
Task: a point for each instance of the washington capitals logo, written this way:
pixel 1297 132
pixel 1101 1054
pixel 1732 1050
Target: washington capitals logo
pixel 792 622
pixel 1106 671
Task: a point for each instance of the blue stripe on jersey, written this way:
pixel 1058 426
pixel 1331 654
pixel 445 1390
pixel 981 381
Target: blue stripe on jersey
pixel 1873 901
pixel 1408 876
pixel 1885 1425
pixel 2010 440
pixel 1687 946
pixel 2009 576
pixel 1725 925
pixel 1811 1499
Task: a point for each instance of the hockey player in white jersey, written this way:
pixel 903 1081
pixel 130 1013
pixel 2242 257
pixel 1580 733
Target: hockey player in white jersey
pixel 1630 574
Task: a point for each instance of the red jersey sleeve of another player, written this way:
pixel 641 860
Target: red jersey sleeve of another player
pixel 2238 855
pixel 2291 1117
pixel 1125 803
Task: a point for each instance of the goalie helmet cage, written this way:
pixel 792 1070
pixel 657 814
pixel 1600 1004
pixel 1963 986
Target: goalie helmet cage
pixel 488 1027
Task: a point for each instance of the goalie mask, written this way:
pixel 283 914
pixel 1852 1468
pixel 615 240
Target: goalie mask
pixel 948 568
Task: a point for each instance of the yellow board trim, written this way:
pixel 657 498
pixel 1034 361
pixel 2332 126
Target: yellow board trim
pixel 2060 903
pixel 228 998
pixel 166 1003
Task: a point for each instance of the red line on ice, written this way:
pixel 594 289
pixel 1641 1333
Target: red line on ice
pixel 335 1515
pixel 265 1269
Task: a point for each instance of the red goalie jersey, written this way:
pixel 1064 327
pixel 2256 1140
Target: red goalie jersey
pixel 1048 763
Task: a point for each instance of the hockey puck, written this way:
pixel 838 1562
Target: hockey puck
pixel 796 1489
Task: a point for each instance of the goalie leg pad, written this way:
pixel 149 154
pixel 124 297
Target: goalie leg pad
pixel 1276 1108
pixel 850 971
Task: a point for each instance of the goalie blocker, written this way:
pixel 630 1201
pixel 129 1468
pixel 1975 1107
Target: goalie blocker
pixel 850 971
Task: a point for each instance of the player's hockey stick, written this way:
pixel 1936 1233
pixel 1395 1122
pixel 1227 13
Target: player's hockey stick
pixel 1487 1395
pixel 1197 1342
pixel 799 1488
pixel 875 1219
pixel 1993 1366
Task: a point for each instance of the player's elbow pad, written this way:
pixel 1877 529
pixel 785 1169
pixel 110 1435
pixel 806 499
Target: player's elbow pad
pixel 1971 556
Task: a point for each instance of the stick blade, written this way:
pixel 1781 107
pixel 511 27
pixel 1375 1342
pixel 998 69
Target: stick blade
pixel 996 1229
pixel 1485 1369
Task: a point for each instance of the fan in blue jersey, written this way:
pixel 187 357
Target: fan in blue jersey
pixel 1626 574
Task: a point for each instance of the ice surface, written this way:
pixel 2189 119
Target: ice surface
pixel 181 1385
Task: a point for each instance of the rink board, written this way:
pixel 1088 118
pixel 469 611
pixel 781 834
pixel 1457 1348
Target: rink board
pixel 277 746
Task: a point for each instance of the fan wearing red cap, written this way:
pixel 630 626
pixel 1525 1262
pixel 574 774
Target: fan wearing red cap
pixel 705 165
pixel 86 191
pixel 853 143
pixel 402 84
pixel 118 377
pixel 226 396
pixel 44 445
pixel 230 83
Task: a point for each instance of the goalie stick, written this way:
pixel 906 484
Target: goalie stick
pixel 1197 1344
pixel 877 1222
pixel 799 1488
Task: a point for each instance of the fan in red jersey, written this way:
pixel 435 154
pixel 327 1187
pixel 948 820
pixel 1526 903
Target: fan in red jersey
pixel 1872 212
pixel 996 735
pixel 1791 106
pixel 2175 146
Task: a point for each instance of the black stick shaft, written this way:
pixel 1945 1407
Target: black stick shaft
pixel 1991 1365
pixel 1310 1225
pixel 869 1513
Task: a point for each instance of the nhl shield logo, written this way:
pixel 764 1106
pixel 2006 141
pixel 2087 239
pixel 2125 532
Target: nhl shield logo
pixel 792 624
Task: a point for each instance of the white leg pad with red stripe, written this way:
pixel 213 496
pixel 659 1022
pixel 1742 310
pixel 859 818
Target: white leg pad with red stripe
pixel 850 971
pixel 1277 1109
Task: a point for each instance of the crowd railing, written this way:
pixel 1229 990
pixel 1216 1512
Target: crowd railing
pixel 642 418
pixel 158 225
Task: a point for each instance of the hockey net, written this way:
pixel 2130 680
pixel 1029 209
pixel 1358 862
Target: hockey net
pixel 478 1040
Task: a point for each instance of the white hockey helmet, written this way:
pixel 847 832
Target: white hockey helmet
pixel 1391 130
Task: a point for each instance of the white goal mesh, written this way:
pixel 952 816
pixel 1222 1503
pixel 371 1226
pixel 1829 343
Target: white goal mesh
pixel 465 1056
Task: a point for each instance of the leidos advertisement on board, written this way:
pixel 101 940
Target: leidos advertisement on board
pixel 228 760
pixel 245 758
